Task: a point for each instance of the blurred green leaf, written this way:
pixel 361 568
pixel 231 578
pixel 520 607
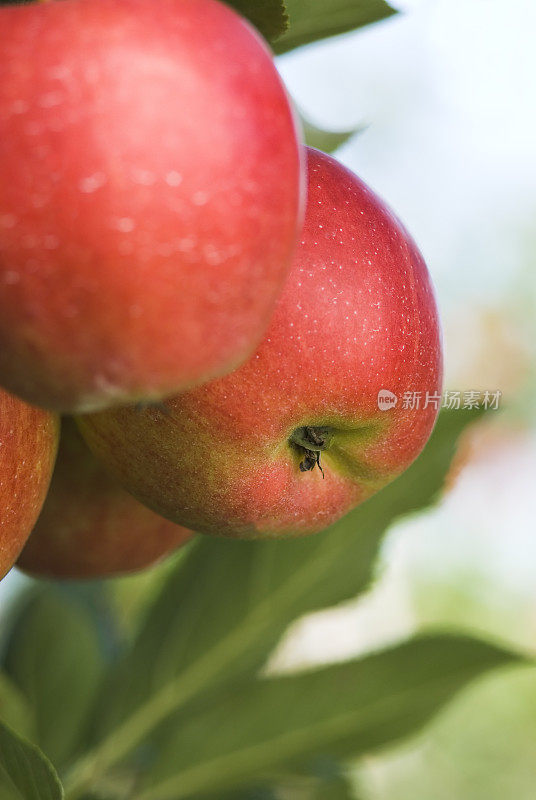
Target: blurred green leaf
pixel 334 790
pixel 14 708
pixel 25 770
pixel 311 20
pixel 7 790
pixel 331 781
pixel 262 793
pixel 337 789
pixel 268 16
pixel 307 783
pixel 345 710
pixel 54 659
pixel 482 748
pixel 223 610
pixel 128 596
pixel 327 141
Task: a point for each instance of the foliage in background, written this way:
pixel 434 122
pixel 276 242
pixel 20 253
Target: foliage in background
pixel 293 23
pixel 184 710
pixel 24 771
pixel 270 17
pixel 328 141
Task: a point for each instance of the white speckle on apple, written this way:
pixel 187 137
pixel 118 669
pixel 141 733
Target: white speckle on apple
pixel 212 255
pixel 143 177
pixel 33 129
pixel 200 198
pixel 51 242
pixel 92 182
pixel 39 200
pixel 19 107
pixel 186 245
pixel 50 99
pixel 173 178
pixel 125 224
pixel 8 220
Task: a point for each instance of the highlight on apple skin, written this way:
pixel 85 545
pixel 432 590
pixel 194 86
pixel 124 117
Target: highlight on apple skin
pixel 28 446
pixel 150 197
pixel 238 456
pixel 90 527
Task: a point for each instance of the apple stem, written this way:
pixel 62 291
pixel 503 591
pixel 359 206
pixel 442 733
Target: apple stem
pixel 312 437
pixel 311 440
pixel 310 461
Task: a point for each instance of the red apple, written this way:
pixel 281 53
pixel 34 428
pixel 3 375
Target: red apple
pixel 150 197
pixel 28 444
pixel 89 526
pixel 238 456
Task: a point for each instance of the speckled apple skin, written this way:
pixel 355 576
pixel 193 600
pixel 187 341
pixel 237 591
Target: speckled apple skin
pixel 357 315
pixel 90 527
pixel 28 446
pixel 150 197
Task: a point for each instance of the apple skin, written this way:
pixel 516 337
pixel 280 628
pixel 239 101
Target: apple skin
pixel 357 315
pixel 89 526
pixel 151 188
pixel 28 446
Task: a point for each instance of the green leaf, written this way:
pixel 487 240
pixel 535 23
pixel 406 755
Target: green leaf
pixel 327 141
pixel 256 793
pixel 311 20
pixel 14 708
pixel 331 781
pixel 323 779
pixel 344 710
pixel 268 16
pixel 337 789
pixel 54 659
pixel 25 770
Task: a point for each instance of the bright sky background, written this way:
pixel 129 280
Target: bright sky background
pixel 449 92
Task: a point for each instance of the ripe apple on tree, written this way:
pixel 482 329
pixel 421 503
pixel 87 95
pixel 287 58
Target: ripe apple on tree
pixel 150 197
pixel 239 455
pixel 90 527
pixel 28 445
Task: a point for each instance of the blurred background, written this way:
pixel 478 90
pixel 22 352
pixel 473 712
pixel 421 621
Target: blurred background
pixel 446 92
